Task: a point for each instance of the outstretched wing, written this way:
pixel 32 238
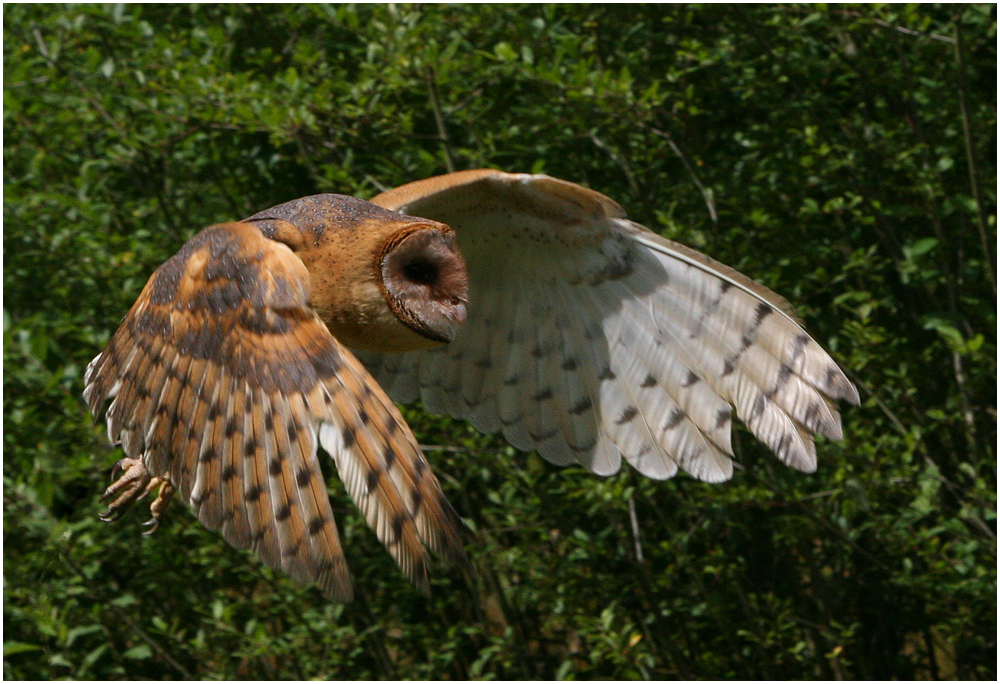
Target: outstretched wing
pixel 590 338
pixel 224 380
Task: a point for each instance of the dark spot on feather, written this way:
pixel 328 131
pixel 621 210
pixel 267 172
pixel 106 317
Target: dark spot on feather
pixel 248 404
pixel 675 418
pixel 363 416
pixel 650 381
pixel 293 550
pixel 250 448
pixel 327 364
pixel 269 420
pixel 543 436
pixel 220 299
pixel 723 417
pixel 833 378
pixel 758 406
pixel 303 477
pixel 388 457
pixel 783 374
pixel 691 379
pixel 512 380
pixel 416 500
pixel 371 480
pixel 569 364
pixel 348 434
pixel 725 286
pixel 208 455
pixel 783 445
pixel 293 429
pixel 202 341
pixel 543 395
pixel 727 368
pixel 274 467
pixel 253 494
pixel 283 513
pixel 581 406
pixel 607 374
pixel 265 321
pixel 799 345
pixel 227 516
pixel 763 311
pixel 627 415
pixel 537 351
pixel 745 343
pixel 230 427
pixel 583 448
pixel 214 412
pixel 228 473
pixel 484 363
pixel 419 466
pixel 397 529
pixel 391 426
pixel 513 421
pixel 316 525
pixel 646 448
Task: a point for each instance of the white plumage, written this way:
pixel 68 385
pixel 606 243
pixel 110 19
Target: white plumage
pixel 591 339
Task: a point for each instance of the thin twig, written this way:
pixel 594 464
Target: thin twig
pixel 618 159
pixel 705 192
pixel 634 519
pixel 912 32
pixel 973 176
pixel 439 118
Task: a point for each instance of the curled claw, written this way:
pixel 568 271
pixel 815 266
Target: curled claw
pixel 160 503
pixel 128 488
pixel 134 483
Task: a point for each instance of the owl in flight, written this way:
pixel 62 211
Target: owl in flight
pixel 525 304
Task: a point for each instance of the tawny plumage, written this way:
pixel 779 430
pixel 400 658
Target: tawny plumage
pixel 588 338
pixel 225 379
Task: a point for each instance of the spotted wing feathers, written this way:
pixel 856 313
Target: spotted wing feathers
pixel 223 379
pixel 589 338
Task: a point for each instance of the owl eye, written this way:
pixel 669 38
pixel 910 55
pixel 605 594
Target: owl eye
pixel 422 272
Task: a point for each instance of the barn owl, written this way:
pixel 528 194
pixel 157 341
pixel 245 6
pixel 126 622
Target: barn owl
pixel 528 305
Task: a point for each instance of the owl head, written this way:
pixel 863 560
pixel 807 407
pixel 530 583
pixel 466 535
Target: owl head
pixel 381 281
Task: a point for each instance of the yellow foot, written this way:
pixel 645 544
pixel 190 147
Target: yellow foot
pixel 136 482
pixel 159 503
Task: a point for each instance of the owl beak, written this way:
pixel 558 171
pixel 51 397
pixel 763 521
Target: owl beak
pixel 458 314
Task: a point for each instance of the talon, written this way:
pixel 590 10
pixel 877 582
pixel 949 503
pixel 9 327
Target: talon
pixel 160 503
pixel 134 483
pixel 128 488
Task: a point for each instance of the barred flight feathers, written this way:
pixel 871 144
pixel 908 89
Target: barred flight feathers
pixel 590 338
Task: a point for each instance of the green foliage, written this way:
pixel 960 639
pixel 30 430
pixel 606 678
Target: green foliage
pixel 844 156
